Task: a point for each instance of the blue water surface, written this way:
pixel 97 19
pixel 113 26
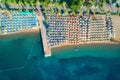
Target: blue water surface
pixel 89 62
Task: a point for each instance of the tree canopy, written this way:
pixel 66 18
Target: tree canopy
pixel 74 4
pixel 26 2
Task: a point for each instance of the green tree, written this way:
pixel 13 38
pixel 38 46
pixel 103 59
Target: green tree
pixel 88 5
pixel 74 5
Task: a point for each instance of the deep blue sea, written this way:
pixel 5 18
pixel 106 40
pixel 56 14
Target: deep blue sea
pixel 21 58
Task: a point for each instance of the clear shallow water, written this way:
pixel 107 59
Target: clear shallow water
pixel 90 62
pixel 96 50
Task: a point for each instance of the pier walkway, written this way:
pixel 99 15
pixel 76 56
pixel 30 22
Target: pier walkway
pixel 46 46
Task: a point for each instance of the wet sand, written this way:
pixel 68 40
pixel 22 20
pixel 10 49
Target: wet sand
pixel 67 45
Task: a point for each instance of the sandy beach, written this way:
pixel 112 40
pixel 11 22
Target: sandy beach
pixel 21 32
pixel 67 45
pixel 116 39
pixel 116 27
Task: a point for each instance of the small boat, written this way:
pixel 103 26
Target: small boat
pixel 76 49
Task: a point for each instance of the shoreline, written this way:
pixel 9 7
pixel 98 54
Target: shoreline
pixel 36 30
pixel 90 43
pixel 103 50
pixel 21 32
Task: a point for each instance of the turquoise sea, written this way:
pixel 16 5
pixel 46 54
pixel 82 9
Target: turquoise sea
pixel 21 58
